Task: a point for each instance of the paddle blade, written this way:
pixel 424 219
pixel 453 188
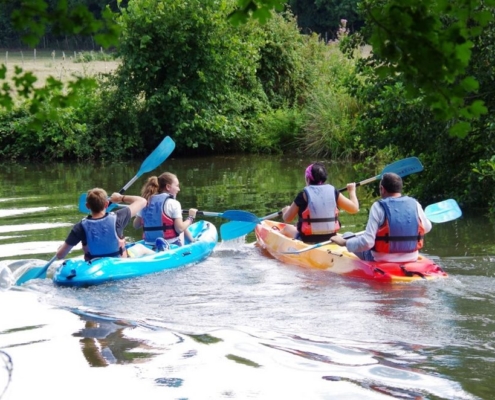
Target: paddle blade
pixel 444 211
pixel 35 273
pixel 28 275
pixel 239 215
pixel 404 167
pixel 235 229
pixel 159 155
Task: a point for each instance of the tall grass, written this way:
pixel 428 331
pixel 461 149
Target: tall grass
pixel 330 112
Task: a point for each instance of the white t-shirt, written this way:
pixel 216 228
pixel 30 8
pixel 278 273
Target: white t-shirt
pixel 172 208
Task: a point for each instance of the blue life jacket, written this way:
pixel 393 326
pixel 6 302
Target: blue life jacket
pixel 156 223
pixel 402 230
pixel 101 236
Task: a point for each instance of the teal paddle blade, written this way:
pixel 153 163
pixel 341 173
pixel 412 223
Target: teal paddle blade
pixel 444 211
pixel 234 229
pixel 239 215
pixel 35 273
pixel 404 167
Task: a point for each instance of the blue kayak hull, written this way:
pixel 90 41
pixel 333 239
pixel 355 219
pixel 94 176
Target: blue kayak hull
pixel 80 273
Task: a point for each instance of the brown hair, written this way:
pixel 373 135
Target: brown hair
pixel 96 199
pixel 156 185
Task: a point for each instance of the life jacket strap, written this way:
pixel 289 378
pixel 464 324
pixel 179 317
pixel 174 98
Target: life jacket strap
pixel 388 238
pixel 309 220
pixel 158 228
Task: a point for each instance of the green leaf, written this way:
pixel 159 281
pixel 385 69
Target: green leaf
pixel 460 129
pixel 470 84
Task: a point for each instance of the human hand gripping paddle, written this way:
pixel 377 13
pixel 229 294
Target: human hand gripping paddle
pixel 159 155
pixel 234 229
pixel 444 211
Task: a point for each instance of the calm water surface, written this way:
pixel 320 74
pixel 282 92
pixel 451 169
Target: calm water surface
pixel 239 325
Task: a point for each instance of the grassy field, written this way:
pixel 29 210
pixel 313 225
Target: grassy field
pixel 60 65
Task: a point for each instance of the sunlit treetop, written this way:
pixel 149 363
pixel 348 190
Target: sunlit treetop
pixel 427 42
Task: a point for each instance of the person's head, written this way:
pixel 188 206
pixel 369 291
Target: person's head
pixel 165 183
pixel 315 174
pixel 97 200
pixel 391 183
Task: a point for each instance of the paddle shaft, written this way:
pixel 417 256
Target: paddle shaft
pixel 204 213
pixel 159 155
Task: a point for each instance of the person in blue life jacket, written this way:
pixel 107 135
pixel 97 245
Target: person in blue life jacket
pixel 395 229
pixel 102 232
pixel 162 216
pixel 317 207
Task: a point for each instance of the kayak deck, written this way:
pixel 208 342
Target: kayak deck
pixel 337 259
pixel 80 273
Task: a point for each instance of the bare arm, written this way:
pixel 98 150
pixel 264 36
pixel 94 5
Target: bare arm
pixel 351 204
pixel 290 212
pixel 181 225
pixel 136 203
pixel 63 250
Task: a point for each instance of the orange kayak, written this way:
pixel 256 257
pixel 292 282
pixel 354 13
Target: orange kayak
pixel 337 259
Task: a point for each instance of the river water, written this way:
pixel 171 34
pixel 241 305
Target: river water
pixel 239 325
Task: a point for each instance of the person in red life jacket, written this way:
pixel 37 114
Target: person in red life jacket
pixel 162 216
pixel 102 232
pixel 396 226
pixel 317 206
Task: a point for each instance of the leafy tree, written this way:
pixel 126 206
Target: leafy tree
pixel 428 42
pixel 195 72
pixel 462 168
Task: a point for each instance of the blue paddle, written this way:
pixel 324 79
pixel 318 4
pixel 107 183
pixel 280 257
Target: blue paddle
pixel 159 155
pixel 404 167
pixel 35 273
pixel 443 211
pixel 235 229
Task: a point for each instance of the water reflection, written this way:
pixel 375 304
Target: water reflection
pixel 103 342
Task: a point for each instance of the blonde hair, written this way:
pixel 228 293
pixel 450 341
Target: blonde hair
pixel 155 185
pixel 96 199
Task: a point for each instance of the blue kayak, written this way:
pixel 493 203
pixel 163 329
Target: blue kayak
pixel 77 272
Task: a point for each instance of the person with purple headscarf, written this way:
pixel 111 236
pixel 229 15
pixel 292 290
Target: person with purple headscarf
pixel 317 207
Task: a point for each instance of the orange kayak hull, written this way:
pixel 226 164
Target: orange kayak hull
pixel 338 260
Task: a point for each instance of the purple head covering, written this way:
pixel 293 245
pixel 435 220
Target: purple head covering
pixel 308 174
